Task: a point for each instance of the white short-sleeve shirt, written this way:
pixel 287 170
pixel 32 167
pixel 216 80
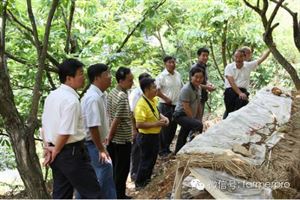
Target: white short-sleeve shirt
pixel 134 96
pixel 170 85
pixel 62 115
pixel 240 76
pixel 94 110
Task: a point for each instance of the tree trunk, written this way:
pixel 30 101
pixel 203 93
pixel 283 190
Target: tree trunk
pixel 268 38
pixel 22 141
pixel 286 65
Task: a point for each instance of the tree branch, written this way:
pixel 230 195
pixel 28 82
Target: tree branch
pixel 39 76
pixel 256 9
pixel 129 35
pixel 19 60
pixel 138 25
pixel 274 26
pixel 215 61
pixel 274 12
pixel 2 33
pixel 29 37
pixel 268 39
pixel 34 28
pixel 11 15
pixel 285 7
pixel 16 86
pixel 158 36
pixel 265 7
pixel 53 87
pixel 224 43
pixel 296 24
pixel 69 25
pixel 64 16
pixel 26 62
pixel 258 3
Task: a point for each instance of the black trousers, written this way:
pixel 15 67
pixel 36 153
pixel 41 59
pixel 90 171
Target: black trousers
pixel 71 170
pixel 232 100
pixel 149 144
pixel 167 133
pixel 120 155
pixel 135 157
pixel 187 124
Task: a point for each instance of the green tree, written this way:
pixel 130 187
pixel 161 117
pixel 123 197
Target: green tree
pixel 269 26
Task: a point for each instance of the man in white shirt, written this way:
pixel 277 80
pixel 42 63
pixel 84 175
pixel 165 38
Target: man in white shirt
pixel 63 130
pixel 248 53
pixel 168 84
pixel 238 79
pixel 134 96
pixel 96 121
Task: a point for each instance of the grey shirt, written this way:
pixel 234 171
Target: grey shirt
pixel 189 93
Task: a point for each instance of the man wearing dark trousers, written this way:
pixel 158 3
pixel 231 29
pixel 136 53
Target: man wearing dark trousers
pixel 120 134
pixel 134 96
pixel 169 84
pixel 187 111
pixel 63 130
pixel 237 81
pixel 149 122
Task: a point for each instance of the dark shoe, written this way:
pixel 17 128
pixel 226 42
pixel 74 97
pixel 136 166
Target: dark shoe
pixel 165 154
pixel 169 151
pixel 133 177
pixel 124 197
pixel 139 186
pixel 192 135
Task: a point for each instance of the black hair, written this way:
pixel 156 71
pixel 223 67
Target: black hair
pixel 96 70
pixel 200 65
pixel 195 70
pixel 201 50
pixel 144 75
pixel 121 73
pixel 167 58
pixel 240 51
pixel 146 83
pixel 68 68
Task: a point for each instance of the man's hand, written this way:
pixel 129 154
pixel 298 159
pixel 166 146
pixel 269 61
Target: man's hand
pixel 166 120
pixel 243 96
pixel 168 101
pixel 108 139
pixel 134 133
pixel 163 122
pixel 47 157
pixel 51 154
pixel 210 87
pixel 104 157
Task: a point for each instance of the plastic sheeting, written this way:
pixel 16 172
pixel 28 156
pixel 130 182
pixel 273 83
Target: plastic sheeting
pixel 245 126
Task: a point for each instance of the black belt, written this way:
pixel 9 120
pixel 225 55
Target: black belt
pixel 242 89
pixel 169 105
pixel 71 145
